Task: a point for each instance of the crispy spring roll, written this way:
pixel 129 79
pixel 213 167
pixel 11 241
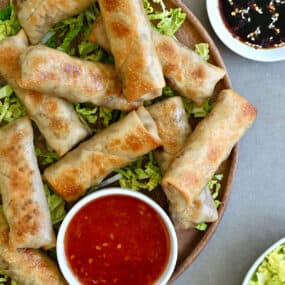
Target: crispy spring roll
pixel 174 129
pixel 26 266
pixel 129 34
pixel 24 202
pixel 55 118
pixel 207 147
pixel 185 71
pixel 53 72
pixel 38 16
pixel 116 146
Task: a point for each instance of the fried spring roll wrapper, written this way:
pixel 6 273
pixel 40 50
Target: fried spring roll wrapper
pixel 38 16
pixel 53 72
pixel 24 201
pixel 116 146
pixel 129 34
pixel 55 118
pixel 26 266
pixel 207 147
pixel 186 72
pixel 174 129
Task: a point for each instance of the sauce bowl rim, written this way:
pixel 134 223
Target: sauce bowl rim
pixel 240 48
pixel 60 251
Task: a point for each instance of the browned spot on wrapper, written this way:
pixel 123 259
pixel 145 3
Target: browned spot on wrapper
pixel 120 29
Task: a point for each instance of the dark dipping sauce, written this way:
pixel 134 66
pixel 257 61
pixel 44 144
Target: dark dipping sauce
pixel 260 24
pixel 119 240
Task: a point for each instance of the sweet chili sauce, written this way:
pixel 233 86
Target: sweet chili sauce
pixel 258 23
pixel 119 240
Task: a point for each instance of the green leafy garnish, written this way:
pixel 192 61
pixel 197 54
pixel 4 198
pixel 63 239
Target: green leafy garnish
pixel 203 51
pixel 71 36
pixel 9 24
pixel 46 157
pixel 271 271
pixel 11 108
pixel 141 174
pixel 167 22
pixel 198 111
pixel 87 111
pixel 4 279
pixel 214 186
pixel 56 206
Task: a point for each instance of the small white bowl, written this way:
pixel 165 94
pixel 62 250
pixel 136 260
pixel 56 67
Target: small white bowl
pixel 259 260
pixel 62 260
pixel 216 20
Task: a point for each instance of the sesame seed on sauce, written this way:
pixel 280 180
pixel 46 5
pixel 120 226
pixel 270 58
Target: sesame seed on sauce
pixel 258 23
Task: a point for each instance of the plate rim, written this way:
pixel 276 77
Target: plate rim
pixel 215 54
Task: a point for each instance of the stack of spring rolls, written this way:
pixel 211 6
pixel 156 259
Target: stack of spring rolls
pixel 48 81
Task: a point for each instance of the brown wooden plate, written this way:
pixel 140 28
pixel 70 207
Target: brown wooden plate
pixel 191 242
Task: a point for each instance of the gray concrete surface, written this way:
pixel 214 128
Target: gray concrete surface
pixel 255 216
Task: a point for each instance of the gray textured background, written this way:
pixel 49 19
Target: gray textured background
pixel 254 218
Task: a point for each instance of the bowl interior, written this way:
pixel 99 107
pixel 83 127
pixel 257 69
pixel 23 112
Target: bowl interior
pixel 216 20
pixel 62 260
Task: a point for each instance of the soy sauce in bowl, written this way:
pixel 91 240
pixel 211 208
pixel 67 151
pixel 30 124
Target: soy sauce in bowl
pixel 258 23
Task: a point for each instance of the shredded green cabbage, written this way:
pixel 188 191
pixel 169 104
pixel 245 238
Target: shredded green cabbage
pixel 4 279
pixel 11 108
pixel 272 269
pixel 167 22
pixel 101 116
pixel 198 111
pixel 9 24
pixel 203 51
pixel 56 206
pixel 214 186
pixel 47 157
pixel 70 36
pixel 141 174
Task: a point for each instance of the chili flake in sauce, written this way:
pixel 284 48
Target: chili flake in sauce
pixel 119 240
pixel 258 23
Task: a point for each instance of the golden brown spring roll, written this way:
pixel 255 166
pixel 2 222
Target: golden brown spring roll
pixel 129 34
pixel 207 147
pixel 55 118
pixel 174 129
pixel 24 201
pixel 185 71
pixel 38 16
pixel 26 266
pixel 53 72
pixel 116 146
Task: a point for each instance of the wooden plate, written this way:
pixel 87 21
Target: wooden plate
pixel 192 242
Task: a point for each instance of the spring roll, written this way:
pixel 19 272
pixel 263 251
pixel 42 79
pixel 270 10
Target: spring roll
pixel 76 80
pixel 55 118
pixel 116 146
pixel 207 147
pixel 38 16
pixel 174 130
pixel 24 202
pixel 129 34
pixel 185 71
pixel 26 266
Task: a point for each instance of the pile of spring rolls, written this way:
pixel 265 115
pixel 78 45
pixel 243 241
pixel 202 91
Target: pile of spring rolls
pixel 48 81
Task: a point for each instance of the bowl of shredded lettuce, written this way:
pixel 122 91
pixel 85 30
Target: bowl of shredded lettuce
pixel 269 268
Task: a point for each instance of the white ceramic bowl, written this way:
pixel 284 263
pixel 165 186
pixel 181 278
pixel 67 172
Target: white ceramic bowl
pixel 62 260
pixel 259 260
pixel 216 20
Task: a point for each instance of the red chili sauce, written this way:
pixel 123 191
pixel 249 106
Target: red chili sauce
pixel 117 240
